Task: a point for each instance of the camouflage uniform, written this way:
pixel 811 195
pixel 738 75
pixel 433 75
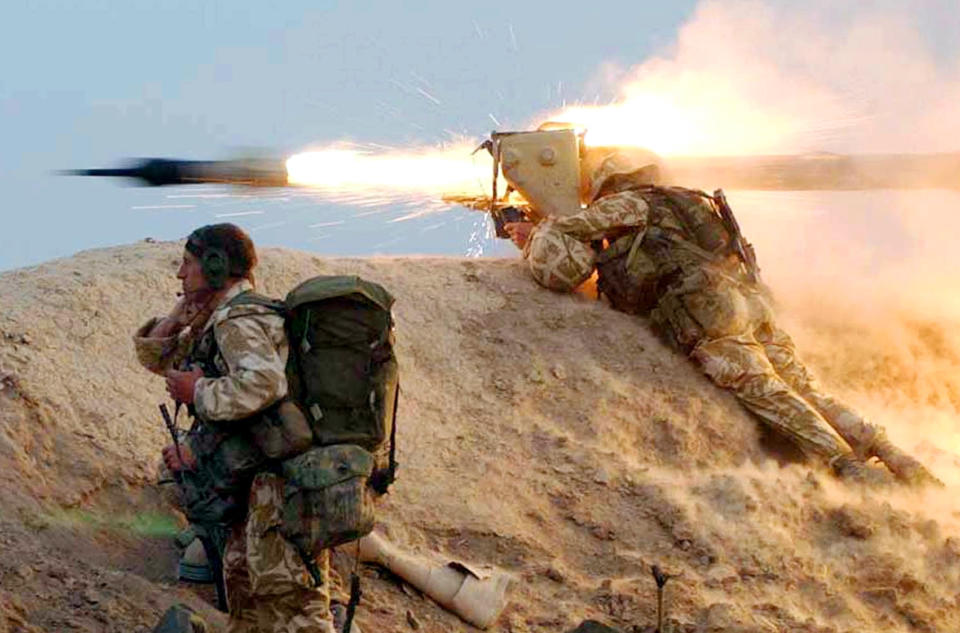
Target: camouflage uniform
pixel 269 588
pixel 663 252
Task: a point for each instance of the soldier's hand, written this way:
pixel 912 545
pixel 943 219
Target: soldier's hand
pixel 180 384
pixel 519 232
pixel 172 460
pixel 187 309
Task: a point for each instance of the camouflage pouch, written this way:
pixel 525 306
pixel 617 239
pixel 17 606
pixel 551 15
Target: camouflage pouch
pixel 326 499
pixel 282 431
pixel 216 491
pixel 671 321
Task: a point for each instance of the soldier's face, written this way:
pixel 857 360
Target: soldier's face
pixel 190 274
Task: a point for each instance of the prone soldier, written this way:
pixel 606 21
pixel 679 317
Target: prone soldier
pixel 667 253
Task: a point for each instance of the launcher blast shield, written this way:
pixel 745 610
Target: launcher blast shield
pixel 158 172
pixel 543 166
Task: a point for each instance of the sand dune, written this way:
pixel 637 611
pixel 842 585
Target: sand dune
pixel 544 434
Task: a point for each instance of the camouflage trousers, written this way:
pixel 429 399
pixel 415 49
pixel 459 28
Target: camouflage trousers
pixel 269 589
pixel 728 329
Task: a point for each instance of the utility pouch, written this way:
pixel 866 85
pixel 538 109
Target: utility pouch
pixel 204 505
pixel 326 497
pixel 216 492
pixel 673 322
pixel 282 431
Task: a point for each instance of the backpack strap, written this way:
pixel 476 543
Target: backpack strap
pixel 249 297
pixel 382 478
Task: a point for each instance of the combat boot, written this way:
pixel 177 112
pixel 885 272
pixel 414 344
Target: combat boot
pixel 904 466
pixel 193 565
pixel 848 468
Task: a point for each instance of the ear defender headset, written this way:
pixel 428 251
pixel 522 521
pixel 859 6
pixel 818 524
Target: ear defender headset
pixel 215 266
pixel 214 262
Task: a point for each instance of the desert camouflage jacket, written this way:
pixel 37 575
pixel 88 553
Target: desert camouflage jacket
pixel 661 230
pixel 251 358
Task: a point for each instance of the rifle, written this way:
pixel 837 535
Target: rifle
pixel 212 550
pixel 739 243
pixel 172 428
pixel 502 213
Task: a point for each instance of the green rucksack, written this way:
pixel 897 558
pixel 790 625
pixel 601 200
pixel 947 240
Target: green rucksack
pixel 342 374
pixel 342 370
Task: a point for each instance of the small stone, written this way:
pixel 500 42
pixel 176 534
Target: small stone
pixel 720 617
pixel 603 533
pixel 91 596
pixel 558 372
pixel 852 522
pixel 57 573
pixel 413 621
pixel 555 574
pixel 25 339
pixel 535 376
pixel 602 477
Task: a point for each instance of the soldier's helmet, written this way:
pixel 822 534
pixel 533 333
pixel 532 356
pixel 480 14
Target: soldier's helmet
pixel 606 168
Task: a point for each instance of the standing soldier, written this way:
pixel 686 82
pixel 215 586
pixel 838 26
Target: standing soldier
pixel 666 253
pixel 226 361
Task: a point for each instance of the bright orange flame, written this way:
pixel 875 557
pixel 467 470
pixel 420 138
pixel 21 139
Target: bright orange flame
pixel 692 116
pixel 735 98
pixel 427 171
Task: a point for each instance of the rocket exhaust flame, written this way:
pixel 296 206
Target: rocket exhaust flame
pixel 427 172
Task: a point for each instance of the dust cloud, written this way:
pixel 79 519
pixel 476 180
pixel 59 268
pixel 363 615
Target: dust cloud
pixel 866 281
pixel 751 77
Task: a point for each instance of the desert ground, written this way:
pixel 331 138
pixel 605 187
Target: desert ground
pixel 543 434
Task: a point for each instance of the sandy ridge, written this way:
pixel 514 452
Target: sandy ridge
pixel 542 433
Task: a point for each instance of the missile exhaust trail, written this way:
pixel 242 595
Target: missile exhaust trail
pixel 771 173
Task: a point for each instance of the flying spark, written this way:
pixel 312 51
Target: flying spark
pixel 428 95
pixel 164 206
pixel 237 214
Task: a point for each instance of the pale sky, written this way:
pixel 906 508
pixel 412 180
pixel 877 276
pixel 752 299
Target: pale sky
pixel 87 84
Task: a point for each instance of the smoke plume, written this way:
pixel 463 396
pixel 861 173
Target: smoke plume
pixel 866 281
